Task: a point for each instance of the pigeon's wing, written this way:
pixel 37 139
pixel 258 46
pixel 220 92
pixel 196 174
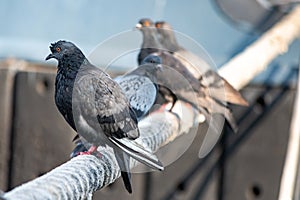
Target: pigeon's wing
pixel 189 89
pixel 101 97
pixel 172 62
pixel 218 87
pixel 140 91
pixel 115 115
pixel 193 63
pixel 129 146
pixel 102 107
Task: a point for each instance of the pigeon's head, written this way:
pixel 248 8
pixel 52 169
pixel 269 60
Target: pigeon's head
pixel 61 48
pixel 167 36
pixel 163 25
pixel 144 23
pixel 164 29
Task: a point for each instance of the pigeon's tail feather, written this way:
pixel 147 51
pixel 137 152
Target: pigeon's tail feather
pixel 123 162
pixel 221 90
pixel 230 119
pixel 126 180
pixel 231 94
pixel 138 152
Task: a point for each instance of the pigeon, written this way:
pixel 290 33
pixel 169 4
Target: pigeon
pixel 95 106
pixel 140 85
pixel 199 92
pixel 198 67
pixel 140 88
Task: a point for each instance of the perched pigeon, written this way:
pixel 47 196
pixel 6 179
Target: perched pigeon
pixel 88 98
pixel 198 67
pixel 208 101
pixel 140 85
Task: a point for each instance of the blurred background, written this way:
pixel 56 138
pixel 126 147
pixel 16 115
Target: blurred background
pixel 35 138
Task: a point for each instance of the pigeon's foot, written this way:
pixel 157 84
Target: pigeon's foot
pixel 92 151
pixel 79 148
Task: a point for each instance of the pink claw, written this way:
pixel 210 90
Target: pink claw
pixel 92 151
pixel 85 153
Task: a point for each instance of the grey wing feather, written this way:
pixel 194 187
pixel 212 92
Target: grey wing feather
pixel 104 106
pixel 193 63
pixel 121 120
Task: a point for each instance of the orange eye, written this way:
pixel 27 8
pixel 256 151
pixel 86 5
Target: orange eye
pixel 146 23
pixel 57 49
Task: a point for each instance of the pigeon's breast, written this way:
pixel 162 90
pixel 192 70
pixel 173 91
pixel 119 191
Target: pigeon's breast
pixel 63 98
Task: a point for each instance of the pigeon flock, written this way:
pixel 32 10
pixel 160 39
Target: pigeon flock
pixel 105 111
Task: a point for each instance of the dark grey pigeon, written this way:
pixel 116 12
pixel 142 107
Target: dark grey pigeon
pixel 219 88
pixel 140 85
pixel 96 107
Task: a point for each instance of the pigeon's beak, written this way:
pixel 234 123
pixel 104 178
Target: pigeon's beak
pixel 49 56
pixel 138 26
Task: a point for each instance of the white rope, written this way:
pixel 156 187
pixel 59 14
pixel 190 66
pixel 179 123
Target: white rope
pixel 241 69
pixel 83 175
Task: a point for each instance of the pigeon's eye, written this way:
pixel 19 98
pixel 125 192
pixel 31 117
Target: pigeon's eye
pixel 146 23
pixel 57 49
